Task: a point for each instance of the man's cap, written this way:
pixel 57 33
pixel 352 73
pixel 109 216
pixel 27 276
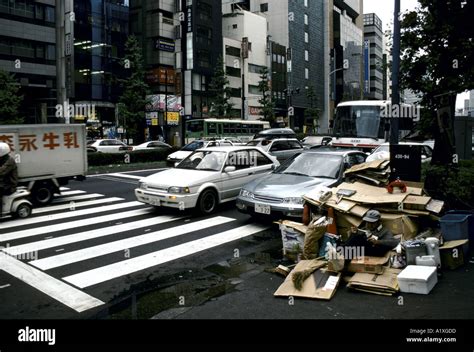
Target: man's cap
pixel 372 216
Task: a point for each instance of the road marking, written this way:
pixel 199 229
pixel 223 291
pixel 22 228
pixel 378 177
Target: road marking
pixel 72 214
pixel 87 235
pixel 126 176
pixel 130 172
pixel 60 291
pixel 76 198
pixel 112 271
pixel 64 189
pixel 4 286
pixel 116 179
pixel 72 193
pixel 76 205
pixel 73 224
pixel 128 243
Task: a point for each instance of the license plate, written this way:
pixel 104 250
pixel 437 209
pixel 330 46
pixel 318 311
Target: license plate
pixel 263 209
pixel 154 201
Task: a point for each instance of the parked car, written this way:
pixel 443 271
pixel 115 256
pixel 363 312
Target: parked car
pixel 282 149
pixel 153 145
pixel 383 151
pixel 188 149
pixel 280 193
pixel 206 178
pixel 108 146
pixel 276 133
pixel 313 141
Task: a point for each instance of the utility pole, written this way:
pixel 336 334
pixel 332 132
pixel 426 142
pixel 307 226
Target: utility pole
pixel 395 73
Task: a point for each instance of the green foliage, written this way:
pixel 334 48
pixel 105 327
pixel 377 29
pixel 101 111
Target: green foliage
pixel 134 98
pixel 454 184
pixel 10 100
pixel 141 156
pixel 266 101
pixel 221 92
pixel 438 49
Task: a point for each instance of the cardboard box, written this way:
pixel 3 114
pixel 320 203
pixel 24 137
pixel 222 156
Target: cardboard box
pixel 322 284
pixel 385 284
pixel 452 254
pixel 400 224
pixel 371 265
pixel 418 279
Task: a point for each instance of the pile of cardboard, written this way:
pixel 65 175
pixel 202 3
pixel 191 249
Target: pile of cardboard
pixel 375 173
pixel 400 211
pixel 385 284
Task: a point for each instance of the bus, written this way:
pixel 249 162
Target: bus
pixel 217 128
pixel 365 124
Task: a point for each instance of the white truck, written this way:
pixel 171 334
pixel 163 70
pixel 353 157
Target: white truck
pixel 48 156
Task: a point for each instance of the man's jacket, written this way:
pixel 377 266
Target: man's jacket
pixel 8 174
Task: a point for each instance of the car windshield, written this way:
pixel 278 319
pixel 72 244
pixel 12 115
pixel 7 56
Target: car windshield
pixel 253 143
pixel 191 147
pixel 312 165
pixel 382 148
pixel 204 161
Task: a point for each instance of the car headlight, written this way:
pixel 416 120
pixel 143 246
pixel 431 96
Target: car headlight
pixel 142 185
pixel 179 190
pixel 294 200
pixel 246 194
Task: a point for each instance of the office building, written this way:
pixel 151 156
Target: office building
pixel 373 57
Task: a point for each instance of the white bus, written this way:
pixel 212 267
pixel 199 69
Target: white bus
pixel 365 124
pixel 220 128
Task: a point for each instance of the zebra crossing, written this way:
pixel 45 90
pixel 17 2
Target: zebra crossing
pixel 83 240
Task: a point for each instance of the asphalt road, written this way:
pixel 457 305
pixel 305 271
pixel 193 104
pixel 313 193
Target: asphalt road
pixel 95 253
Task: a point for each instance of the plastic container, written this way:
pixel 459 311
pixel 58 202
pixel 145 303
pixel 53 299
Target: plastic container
pixel 470 222
pixel 432 248
pixel 455 227
pixel 418 279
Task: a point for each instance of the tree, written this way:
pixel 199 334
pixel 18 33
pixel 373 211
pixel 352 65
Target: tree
pixel 266 101
pixel 221 92
pixel 10 100
pixel 312 113
pixel 134 97
pixel 437 44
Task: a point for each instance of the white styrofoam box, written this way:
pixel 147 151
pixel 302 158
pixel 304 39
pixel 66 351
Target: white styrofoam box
pixel 418 279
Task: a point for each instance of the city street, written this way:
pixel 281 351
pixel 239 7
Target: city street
pixel 97 253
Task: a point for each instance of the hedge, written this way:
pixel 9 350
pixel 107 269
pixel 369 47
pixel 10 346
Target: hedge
pixel 453 184
pixel 141 156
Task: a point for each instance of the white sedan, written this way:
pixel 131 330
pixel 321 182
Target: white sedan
pixel 206 178
pixel 188 149
pixel 383 151
pixel 153 145
pixel 108 146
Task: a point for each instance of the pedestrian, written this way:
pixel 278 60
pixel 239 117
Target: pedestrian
pixel 372 235
pixel 8 174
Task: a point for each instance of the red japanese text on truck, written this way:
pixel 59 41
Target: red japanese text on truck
pixel 48 156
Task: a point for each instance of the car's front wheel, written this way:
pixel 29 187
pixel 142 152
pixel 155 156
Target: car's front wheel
pixel 207 203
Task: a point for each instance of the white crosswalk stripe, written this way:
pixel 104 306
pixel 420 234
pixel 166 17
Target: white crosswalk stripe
pixel 71 225
pixel 111 247
pixel 72 214
pixel 72 205
pixel 112 271
pixel 59 239
pixel 126 176
pixel 71 193
pixel 77 198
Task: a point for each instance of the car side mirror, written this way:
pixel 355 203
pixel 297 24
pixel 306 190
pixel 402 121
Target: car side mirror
pixel 229 169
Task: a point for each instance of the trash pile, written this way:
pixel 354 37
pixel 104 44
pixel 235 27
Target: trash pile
pixel 414 239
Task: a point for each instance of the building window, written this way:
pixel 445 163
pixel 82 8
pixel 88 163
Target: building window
pixel 306 55
pixel 254 90
pixel 264 7
pixel 234 26
pixel 306 19
pixel 306 73
pixel 233 72
pixel 232 51
pixel 305 3
pixel 306 37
